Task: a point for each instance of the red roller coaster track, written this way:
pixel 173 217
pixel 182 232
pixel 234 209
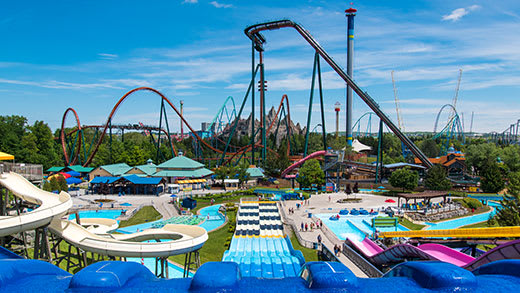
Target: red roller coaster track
pixel 68 160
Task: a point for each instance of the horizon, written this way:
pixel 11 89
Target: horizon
pixel 87 55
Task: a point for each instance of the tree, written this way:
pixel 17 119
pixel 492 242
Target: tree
pixel 243 176
pixel 310 173
pixel 430 148
pixel 54 183
pixel 62 183
pixel 510 155
pixel 404 178
pixel 491 178
pixel 436 179
pixel 479 155
pixel 513 186
pixel 274 165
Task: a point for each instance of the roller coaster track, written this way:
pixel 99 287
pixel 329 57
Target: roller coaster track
pixel 253 32
pixel 214 130
pixel 247 148
pixel 107 125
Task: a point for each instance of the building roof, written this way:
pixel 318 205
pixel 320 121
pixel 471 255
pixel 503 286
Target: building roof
pixel 231 180
pixel 148 169
pixel 143 180
pixel 180 162
pixel 424 194
pixel 255 172
pixel 198 173
pixel 116 169
pixel 81 169
pixel 401 165
pixel 55 169
pixel 104 179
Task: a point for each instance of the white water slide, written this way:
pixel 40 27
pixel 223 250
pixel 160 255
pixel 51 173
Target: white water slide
pixel 51 206
pixel 167 241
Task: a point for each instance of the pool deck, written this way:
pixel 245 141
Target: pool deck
pixel 319 204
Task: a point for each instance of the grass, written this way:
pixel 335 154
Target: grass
pixel 410 225
pixel 308 254
pixel 214 248
pixel 145 214
pixel 479 225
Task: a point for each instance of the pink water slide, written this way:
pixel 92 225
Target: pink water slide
pixel 432 251
pixel 300 162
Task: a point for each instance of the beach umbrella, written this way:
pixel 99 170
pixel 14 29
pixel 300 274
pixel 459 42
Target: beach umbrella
pixel 390 200
pixel 73 180
pixel 73 173
pixel 65 175
pixel 173 195
pixel 6 157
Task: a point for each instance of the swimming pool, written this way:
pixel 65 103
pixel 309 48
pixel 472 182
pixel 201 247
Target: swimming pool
pixel 213 219
pixel 354 227
pixel 456 223
pixel 486 197
pixel 105 214
pixel 174 271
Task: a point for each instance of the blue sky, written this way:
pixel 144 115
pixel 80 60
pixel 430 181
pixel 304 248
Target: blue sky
pixel 87 54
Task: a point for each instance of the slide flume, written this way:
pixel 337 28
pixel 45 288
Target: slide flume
pixel 52 207
pixel 300 162
pixel 432 251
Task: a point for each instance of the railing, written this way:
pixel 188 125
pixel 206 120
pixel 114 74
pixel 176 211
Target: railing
pixel 31 172
pixel 361 262
pixel 328 255
pixel 289 224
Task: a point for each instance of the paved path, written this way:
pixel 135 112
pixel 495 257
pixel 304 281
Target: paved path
pixel 320 203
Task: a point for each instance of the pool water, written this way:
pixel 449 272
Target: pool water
pixel 354 227
pixel 456 223
pixel 213 219
pixel 105 214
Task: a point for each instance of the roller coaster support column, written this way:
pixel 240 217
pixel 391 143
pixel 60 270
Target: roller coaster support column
pixel 350 13
pixel 253 74
pixel 379 161
pixel 316 67
pixel 262 104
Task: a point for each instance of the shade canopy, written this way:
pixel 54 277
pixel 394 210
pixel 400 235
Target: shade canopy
pixel 390 200
pixel 73 173
pixel 73 180
pixel 6 157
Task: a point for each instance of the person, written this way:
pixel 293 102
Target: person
pixel 339 250
pixel 329 197
pixel 319 239
pixel 335 249
pixel 349 190
pixel 306 226
pixel 356 188
pixel 301 227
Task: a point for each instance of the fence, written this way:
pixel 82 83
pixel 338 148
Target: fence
pixel 290 227
pixel 31 172
pixel 361 262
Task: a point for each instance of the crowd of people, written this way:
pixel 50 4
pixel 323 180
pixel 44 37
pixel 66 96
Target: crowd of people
pixel 304 227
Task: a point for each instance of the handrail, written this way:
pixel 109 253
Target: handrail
pixel 290 223
pixel 369 269
pixel 253 33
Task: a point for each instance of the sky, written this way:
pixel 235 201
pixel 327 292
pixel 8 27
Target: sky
pixel 87 54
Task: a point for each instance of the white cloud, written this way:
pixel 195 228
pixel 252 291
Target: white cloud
pixel 107 56
pixel 190 1
pixel 220 5
pixel 458 13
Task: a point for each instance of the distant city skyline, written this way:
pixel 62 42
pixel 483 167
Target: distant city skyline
pixel 86 55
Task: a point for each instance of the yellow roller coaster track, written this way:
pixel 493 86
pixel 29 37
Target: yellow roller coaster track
pixel 495 232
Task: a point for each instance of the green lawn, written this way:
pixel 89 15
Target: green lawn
pixel 478 225
pixel 308 254
pixel 146 214
pixel 410 225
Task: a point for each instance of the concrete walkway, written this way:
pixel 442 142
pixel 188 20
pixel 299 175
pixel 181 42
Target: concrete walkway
pixel 320 204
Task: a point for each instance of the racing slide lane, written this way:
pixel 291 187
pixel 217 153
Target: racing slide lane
pixel 432 251
pixel 300 162
pixel 51 206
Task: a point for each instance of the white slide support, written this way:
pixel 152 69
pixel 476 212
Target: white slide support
pixel 51 206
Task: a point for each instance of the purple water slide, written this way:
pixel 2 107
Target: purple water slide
pixel 509 250
pixel 432 251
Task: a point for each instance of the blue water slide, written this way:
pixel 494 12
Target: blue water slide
pixel 267 267
pixel 245 266
pixel 278 271
pixel 256 267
